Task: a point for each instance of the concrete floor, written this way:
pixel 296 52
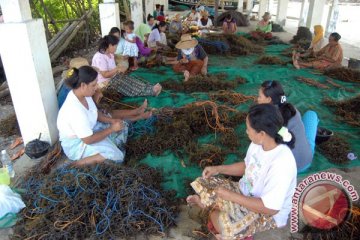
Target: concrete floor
pixel 188 217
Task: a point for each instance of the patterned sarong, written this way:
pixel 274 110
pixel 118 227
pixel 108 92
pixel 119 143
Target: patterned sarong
pixel 236 221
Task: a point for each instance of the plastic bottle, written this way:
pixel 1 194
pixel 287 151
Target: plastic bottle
pixel 6 162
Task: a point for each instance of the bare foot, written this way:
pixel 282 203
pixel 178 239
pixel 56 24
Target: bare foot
pixel 142 108
pixel 296 64
pixel 157 89
pixel 194 199
pixel 146 115
pixel 186 75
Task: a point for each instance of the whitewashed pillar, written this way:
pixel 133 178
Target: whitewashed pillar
pixel 136 9
pixel 240 5
pixel 263 7
pixel 303 13
pixel 249 5
pixel 149 7
pixel 109 16
pixel 332 18
pixel 282 12
pixel 315 13
pixel 26 61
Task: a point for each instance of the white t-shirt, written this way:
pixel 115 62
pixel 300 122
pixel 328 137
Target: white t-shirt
pixel 271 176
pixel 74 120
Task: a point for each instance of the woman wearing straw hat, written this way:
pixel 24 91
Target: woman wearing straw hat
pixel 192 59
pixel 263 28
pixel 204 23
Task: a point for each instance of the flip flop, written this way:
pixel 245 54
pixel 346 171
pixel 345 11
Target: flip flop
pixel 18 154
pixel 16 143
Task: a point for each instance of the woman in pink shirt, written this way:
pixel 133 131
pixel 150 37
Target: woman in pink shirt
pixel 104 62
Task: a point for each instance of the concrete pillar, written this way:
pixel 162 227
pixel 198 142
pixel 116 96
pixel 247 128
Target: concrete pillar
pixel 303 13
pixel 282 12
pixel 315 13
pixel 263 7
pixel 249 5
pixel 149 7
pixel 26 61
pixel 332 18
pixel 136 9
pixel 109 16
pixel 240 5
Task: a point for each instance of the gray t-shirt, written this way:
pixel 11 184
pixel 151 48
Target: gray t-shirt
pixel 302 150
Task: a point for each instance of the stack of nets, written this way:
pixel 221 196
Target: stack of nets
pixel 344 74
pixel 349 109
pixel 178 128
pixel 229 44
pixel 105 201
pixel 241 19
pixel 302 38
pixel 270 60
pixel 200 83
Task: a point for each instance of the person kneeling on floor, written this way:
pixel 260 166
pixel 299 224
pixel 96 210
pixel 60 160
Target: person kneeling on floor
pixel 192 58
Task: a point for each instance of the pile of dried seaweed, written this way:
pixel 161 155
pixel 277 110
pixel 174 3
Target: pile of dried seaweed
pixel 229 44
pixel 200 83
pixel 344 74
pixel 230 97
pixel 349 229
pixel 270 60
pixel 9 126
pixel 302 38
pixel 335 150
pixel 205 154
pixel 312 82
pixel 105 201
pixel 178 128
pixel 349 109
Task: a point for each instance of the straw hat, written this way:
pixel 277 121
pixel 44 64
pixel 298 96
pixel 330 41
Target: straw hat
pixel 75 63
pixel 177 17
pixel 204 13
pixel 186 41
pixel 266 14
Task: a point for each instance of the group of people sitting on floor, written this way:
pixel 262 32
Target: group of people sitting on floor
pixel 282 141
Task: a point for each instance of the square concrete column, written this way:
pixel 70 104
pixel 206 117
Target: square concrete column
pixel 109 16
pixel 332 18
pixel 263 7
pixel 149 7
pixel 303 13
pixel 26 60
pixel 249 5
pixel 315 13
pixel 240 5
pixel 137 13
pixel 282 12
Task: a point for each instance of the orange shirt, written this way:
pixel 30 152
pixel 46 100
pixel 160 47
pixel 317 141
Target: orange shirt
pixel 333 53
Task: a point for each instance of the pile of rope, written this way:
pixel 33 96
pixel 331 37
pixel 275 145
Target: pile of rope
pixel 200 83
pixel 177 128
pixel 344 74
pixel 270 60
pixel 230 44
pixel 312 82
pixel 349 109
pixel 9 126
pixel 335 150
pixel 230 97
pixel 105 201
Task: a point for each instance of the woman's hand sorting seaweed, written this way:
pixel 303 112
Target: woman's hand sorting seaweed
pixel 210 171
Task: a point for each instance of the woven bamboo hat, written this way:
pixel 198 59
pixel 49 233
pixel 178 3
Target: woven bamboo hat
pixel 204 13
pixel 186 41
pixel 75 63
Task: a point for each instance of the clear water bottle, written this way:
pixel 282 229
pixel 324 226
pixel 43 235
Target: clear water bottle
pixel 6 162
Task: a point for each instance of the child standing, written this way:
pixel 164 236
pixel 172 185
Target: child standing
pixel 130 47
